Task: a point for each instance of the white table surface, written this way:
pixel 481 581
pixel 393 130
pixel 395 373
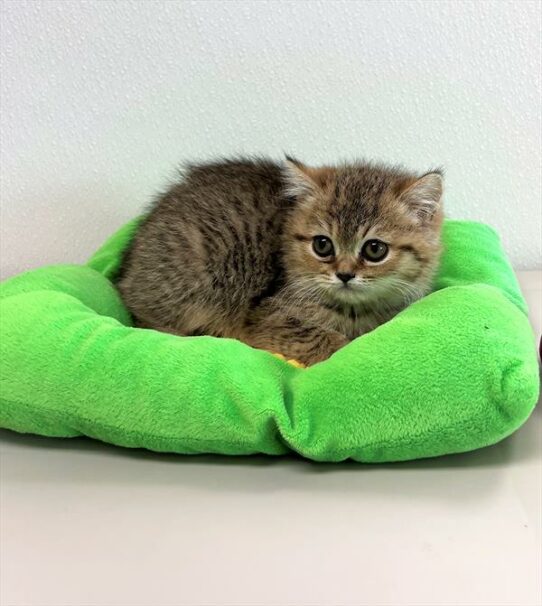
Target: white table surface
pixel 83 523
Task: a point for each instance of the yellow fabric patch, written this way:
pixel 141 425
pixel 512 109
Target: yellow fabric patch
pixel 292 362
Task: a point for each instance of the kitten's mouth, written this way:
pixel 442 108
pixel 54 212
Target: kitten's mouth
pixel 350 292
pixel 351 286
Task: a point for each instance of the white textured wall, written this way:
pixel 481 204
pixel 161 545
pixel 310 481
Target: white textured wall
pixel 100 100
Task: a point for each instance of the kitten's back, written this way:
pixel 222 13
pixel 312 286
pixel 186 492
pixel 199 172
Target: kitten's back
pixel 209 247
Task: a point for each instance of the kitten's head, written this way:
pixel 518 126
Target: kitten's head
pixel 362 233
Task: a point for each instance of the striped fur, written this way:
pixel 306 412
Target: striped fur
pixel 227 251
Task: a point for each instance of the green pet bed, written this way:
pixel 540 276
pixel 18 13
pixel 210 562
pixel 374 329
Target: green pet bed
pixel 455 371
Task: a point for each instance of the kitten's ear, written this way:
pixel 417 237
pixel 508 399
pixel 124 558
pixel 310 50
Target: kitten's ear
pixel 423 197
pixel 297 179
pixel 301 180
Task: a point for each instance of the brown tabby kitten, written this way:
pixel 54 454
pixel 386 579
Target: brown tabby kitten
pixel 284 257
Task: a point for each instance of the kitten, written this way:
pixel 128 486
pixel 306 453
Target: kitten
pixel 287 258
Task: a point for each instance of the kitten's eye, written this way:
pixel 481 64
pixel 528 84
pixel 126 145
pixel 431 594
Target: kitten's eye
pixel 322 246
pixel 374 250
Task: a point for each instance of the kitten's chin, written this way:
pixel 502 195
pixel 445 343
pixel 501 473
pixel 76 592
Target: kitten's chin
pixel 351 294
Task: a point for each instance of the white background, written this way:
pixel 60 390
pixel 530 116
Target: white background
pixel 101 100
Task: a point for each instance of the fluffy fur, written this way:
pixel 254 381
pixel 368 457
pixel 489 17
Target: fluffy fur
pixel 229 251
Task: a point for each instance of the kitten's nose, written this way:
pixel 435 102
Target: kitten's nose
pixel 344 277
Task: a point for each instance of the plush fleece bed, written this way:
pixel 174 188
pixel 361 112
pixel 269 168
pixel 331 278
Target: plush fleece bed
pixel 454 372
